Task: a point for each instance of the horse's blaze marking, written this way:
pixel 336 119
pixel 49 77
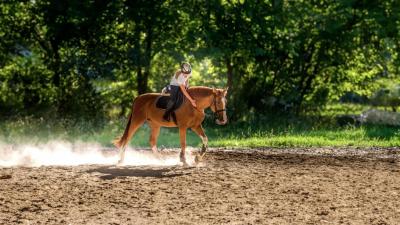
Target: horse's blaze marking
pixel 224 107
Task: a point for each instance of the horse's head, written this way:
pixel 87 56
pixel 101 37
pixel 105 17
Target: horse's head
pixel 219 106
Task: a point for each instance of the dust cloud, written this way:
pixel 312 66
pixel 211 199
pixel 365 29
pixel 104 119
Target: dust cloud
pixel 63 153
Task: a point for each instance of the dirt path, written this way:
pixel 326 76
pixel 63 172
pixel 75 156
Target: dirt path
pixel 271 186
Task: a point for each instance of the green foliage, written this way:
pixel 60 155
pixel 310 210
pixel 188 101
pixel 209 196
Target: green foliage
pixel 387 97
pixel 256 131
pixel 89 59
pixel 25 85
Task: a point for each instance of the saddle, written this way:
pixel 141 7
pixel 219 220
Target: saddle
pixel 162 101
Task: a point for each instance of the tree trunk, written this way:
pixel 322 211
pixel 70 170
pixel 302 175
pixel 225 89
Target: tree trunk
pixel 56 67
pixel 147 61
pixel 307 87
pixel 141 81
pixel 229 74
pixel 55 62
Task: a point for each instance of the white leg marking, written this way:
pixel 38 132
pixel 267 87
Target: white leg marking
pixel 121 155
pixel 204 140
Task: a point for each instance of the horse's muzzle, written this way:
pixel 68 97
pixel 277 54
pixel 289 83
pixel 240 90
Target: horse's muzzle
pixel 217 121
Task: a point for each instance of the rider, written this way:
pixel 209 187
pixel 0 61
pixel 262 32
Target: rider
pixel 177 89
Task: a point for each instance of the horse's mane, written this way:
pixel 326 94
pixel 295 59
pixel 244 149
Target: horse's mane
pixel 200 91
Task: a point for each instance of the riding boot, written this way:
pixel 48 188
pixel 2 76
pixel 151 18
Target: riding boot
pixel 167 114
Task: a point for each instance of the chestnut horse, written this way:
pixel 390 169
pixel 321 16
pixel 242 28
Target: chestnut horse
pixel 144 110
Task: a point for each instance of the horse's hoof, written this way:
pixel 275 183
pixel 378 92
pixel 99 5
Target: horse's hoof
pixel 203 148
pixel 197 159
pixel 157 155
pixel 120 162
pixel 184 162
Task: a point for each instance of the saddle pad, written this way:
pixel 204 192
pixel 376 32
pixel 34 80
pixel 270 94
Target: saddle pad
pixel 162 101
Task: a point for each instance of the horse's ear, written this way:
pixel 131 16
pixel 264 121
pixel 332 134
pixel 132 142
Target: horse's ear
pixel 226 91
pixel 214 91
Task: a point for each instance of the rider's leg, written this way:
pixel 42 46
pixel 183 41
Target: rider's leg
pixel 168 110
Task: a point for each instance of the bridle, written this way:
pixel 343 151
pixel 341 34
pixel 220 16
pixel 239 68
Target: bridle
pixel 215 107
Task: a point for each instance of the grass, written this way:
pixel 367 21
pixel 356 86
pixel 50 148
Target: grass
pixel 262 131
pixel 347 137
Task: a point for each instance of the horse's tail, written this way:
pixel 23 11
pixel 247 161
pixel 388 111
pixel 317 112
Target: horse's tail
pixel 136 119
pixel 122 141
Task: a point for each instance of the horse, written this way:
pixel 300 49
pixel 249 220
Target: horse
pixel 144 110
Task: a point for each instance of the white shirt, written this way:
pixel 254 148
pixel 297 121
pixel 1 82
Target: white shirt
pixel 181 80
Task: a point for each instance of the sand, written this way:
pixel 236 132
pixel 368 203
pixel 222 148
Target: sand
pixel 232 186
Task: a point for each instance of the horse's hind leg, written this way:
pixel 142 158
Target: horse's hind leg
pixel 182 134
pixel 121 155
pixel 199 131
pixel 155 131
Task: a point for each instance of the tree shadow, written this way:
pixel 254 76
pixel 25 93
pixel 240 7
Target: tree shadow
pixel 115 172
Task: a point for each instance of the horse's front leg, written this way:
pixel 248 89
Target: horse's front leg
pixel 155 131
pixel 121 156
pixel 182 134
pixel 199 131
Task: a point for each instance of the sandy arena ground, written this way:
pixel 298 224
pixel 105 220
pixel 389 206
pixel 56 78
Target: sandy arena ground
pixel 243 186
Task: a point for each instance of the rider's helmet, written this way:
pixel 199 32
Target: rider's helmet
pixel 186 68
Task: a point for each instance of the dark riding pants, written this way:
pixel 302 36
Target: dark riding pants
pixel 176 99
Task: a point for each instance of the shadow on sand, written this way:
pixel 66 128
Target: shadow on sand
pixel 115 172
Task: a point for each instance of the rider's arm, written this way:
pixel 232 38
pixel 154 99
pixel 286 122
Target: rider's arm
pixel 183 89
pixel 187 83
